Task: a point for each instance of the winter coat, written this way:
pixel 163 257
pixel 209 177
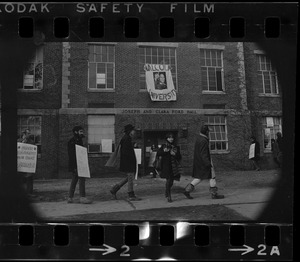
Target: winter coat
pixel 166 164
pixel 75 140
pixel 202 161
pixel 127 155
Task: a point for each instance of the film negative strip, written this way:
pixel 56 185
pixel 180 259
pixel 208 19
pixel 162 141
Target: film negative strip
pixel 175 119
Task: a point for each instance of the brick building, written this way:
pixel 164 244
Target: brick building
pixel 231 86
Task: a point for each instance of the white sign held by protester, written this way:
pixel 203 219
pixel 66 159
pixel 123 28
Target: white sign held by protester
pixel 138 155
pixel 27 157
pixel 82 162
pixel 252 151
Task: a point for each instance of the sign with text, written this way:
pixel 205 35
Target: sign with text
pixel 82 162
pixel 252 151
pixel 27 157
pixel 160 83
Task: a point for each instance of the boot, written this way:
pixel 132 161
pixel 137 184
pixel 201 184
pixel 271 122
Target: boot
pixel 214 193
pixel 114 191
pixel 133 197
pixel 189 188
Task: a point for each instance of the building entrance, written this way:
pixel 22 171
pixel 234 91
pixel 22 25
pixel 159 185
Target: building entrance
pixel 153 141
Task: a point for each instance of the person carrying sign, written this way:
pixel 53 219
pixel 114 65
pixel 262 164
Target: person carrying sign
pixel 256 154
pixel 202 166
pixel 26 139
pixel 128 163
pixel 76 140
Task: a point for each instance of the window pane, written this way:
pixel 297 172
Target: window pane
pixel 91 53
pixel 219 79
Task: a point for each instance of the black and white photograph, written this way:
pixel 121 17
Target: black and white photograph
pixel 227 125
pixel 183 122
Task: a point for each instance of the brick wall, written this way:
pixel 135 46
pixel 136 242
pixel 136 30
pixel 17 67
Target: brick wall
pixel 47 164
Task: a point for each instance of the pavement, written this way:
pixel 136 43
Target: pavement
pixel 249 202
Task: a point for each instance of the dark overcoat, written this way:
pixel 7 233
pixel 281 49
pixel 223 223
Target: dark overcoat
pixel 127 155
pixel 166 164
pixel 75 140
pixel 202 161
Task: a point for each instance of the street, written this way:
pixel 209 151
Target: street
pixel 246 195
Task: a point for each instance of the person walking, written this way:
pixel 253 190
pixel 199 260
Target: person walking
pixel 26 139
pixel 256 158
pixel 279 141
pixel 170 155
pixel 78 135
pixel 127 163
pixel 275 151
pixel 202 165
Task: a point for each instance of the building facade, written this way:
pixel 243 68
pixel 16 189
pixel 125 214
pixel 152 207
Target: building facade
pixel 231 86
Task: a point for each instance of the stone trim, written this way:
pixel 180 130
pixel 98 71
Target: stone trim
pixel 211 46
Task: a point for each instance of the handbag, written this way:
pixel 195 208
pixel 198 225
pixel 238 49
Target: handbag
pixel 113 160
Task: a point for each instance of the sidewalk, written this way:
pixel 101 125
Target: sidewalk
pixel 247 201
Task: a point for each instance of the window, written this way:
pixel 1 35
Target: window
pixel 271 125
pixel 157 55
pixel 268 76
pixel 101 67
pixel 33 72
pixel 34 124
pixel 218 133
pixel 212 76
pixel 101 133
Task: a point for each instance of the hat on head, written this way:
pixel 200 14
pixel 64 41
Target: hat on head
pixel 128 128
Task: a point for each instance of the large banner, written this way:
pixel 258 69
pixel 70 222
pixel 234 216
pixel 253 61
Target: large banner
pixel 160 83
pixel 82 162
pixel 27 156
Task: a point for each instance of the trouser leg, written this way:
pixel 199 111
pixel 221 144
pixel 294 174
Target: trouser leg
pixel 117 187
pixel 73 185
pixel 169 184
pixel 81 186
pixel 130 177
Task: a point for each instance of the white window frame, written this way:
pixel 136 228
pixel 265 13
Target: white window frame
pixel 272 132
pixel 39 52
pixel 208 91
pixel 215 141
pixel 141 67
pixel 106 89
pixel 261 72
pixel 99 144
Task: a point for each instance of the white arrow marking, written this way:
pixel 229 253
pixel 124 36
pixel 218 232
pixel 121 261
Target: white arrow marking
pixel 108 249
pixel 247 249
